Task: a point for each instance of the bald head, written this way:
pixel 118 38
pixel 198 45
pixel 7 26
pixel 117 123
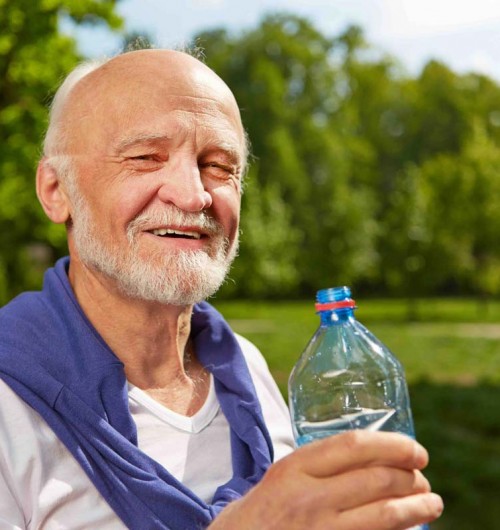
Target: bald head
pixel 97 97
pixel 134 141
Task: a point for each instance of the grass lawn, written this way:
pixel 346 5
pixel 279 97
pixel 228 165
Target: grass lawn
pixel 451 356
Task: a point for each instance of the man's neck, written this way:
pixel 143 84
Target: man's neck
pixel 151 339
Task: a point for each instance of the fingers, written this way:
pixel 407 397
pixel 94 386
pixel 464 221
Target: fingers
pixel 358 449
pixel 377 486
pixel 393 514
pixel 365 486
pixel 352 481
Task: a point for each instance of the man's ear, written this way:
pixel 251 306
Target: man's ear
pixel 50 193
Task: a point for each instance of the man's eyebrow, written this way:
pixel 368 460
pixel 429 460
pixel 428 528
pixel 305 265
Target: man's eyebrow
pixel 229 149
pixel 141 139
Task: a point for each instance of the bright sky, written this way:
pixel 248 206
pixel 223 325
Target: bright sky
pixel 465 35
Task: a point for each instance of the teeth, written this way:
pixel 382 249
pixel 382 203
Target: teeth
pixel 169 231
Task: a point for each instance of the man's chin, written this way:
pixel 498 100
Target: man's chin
pixel 177 278
pixel 173 285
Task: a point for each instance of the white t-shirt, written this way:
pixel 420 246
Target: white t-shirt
pixel 42 486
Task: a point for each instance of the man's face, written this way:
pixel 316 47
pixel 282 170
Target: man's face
pixel 158 162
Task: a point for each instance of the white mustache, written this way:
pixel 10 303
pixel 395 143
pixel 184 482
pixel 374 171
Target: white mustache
pixel 173 216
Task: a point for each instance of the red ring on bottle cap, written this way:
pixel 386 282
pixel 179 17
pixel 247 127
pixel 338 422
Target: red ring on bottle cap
pixel 342 304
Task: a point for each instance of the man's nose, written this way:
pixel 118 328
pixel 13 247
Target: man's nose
pixel 182 186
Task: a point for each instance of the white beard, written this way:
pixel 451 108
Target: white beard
pixel 177 277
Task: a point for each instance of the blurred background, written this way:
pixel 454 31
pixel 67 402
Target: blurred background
pixel 375 128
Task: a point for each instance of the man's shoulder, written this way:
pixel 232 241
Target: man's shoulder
pixel 23 307
pixel 25 320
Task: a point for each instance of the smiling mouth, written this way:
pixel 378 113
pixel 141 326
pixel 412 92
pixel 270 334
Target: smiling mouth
pixel 183 234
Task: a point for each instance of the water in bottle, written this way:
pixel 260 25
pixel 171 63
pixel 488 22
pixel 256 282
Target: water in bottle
pixel 346 378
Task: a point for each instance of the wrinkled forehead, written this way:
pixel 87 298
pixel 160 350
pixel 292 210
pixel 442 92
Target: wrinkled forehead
pixel 139 88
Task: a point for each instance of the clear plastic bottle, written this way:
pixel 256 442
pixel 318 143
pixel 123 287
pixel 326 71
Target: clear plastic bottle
pixel 346 378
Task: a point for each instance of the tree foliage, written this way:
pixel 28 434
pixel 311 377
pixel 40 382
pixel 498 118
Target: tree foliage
pixel 360 173
pixel 34 57
pixel 388 180
pixel 283 79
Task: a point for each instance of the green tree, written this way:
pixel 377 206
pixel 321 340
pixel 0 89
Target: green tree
pixel 444 221
pixel 420 130
pixel 360 174
pixel 34 57
pixel 266 262
pixel 482 212
pixel 286 83
pixel 427 241
pixel 441 119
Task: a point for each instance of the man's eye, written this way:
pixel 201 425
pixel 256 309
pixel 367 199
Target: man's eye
pixel 218 170
pixel 144 162
pixel 143 157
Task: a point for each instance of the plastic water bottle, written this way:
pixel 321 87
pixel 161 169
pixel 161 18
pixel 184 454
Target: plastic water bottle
pixel 346 378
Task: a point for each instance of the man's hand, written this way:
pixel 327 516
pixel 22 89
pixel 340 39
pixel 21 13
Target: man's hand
pixel 359 480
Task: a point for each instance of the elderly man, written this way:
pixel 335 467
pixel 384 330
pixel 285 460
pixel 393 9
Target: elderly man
pixel 127 401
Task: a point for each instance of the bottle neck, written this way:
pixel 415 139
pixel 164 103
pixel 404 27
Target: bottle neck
pixel 337 316
pixel 335 305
